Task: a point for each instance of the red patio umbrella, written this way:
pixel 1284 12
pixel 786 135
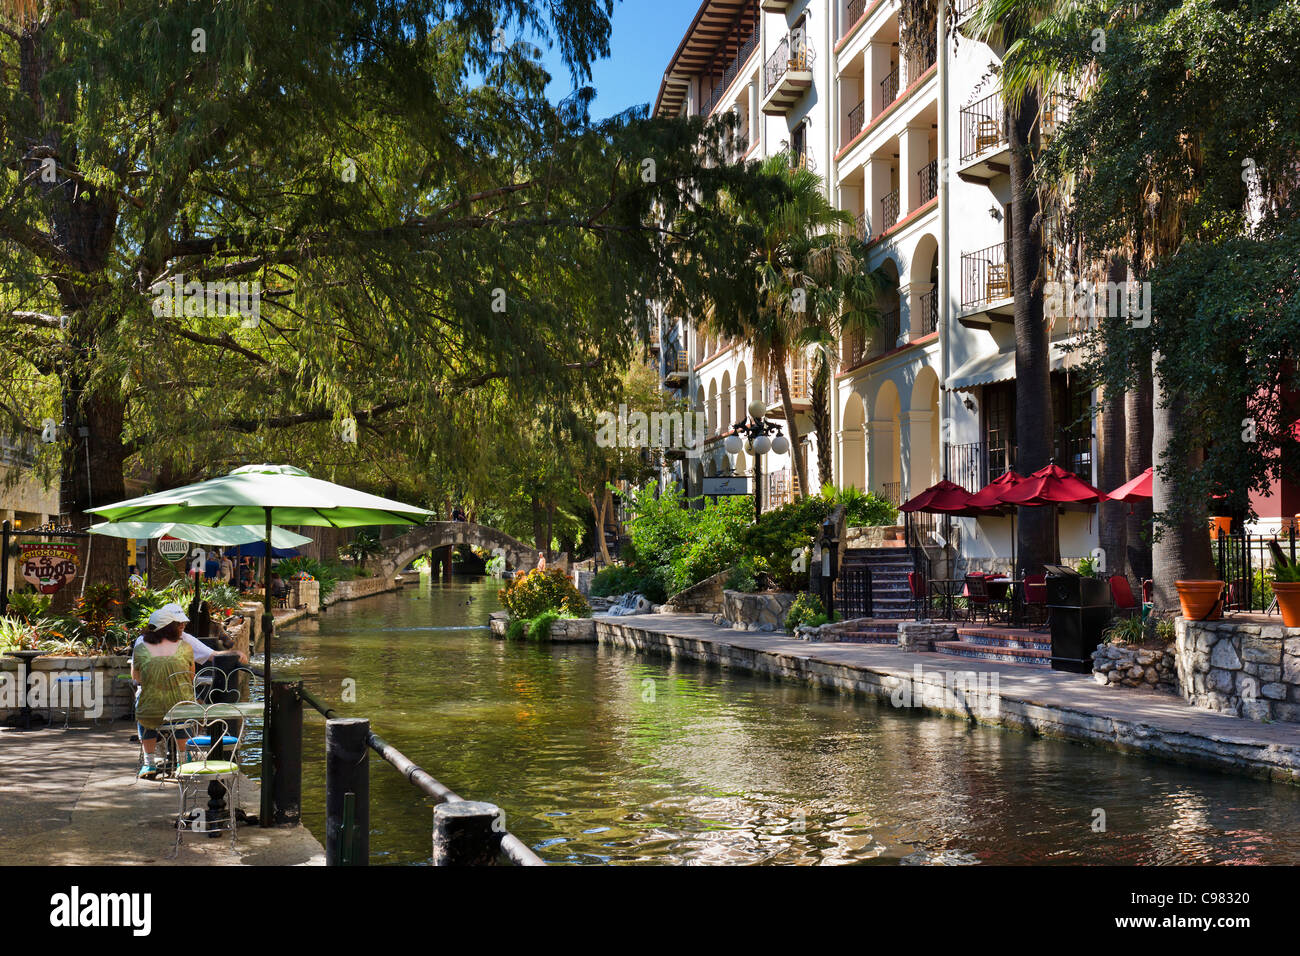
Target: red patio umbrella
pixel 1139 489
pixel 1053 485
pixel 945 498
pixel 989 499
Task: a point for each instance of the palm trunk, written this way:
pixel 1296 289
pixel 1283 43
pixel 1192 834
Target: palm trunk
pixel 1181 551
pixel 792 428
pixel 1113 515
pixel 1034 425
pixel 821 419
pixel 1138 403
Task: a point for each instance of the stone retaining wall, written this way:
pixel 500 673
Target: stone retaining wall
pixel 742 611
pixel 1250 670
pixel 358 588
pixel 1111 729
pixel 921 635
pixel 702 598
pixel 1119 665
pixel 107 695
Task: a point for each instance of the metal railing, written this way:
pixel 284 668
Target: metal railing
pixel 852 14
pixel 921 56
pixel 928 176
pixel 963 8
pixel 1244 561
pixel 474 838
pixel 863 226
pixel 889 211
pixel 729 74
pixel 792 54
pixel 930 312
pixel 892 491
pixel 985 276
pixel 886 338
pixel 888 91
pixel 856 117
pixel 983 126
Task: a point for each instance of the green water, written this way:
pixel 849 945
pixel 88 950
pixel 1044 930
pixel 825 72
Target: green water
pixel 605 756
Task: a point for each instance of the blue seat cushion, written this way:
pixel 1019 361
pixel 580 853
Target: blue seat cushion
pixel 206 741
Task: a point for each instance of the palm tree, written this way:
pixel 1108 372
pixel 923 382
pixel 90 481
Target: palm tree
pixel 810 283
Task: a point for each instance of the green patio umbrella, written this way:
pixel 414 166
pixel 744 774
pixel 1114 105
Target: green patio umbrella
pixel 262 495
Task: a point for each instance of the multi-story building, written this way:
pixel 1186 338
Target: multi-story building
pixel 906 128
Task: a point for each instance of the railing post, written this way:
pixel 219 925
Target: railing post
pixel 347 770
pixel 286 747
pixel 467 833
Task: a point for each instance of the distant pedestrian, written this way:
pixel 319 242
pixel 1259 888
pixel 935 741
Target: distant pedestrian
pixel 213 566
pixel 227 572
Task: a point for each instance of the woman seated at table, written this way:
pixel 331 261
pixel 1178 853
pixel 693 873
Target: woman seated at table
pixel 163 665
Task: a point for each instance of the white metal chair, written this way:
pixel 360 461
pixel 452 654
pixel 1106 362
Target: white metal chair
pixel 207 729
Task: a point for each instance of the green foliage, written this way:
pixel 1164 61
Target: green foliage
pixel 743 576
pixel 328 575
pixel 1286 573
pixel 1165 631
pixel 1087 567
pixel 362 548
pixel 221 596
pixel 533 592
pixel 16 634
pixel 773 541
pixel 29 606
pixel 618 579
pixel 865 509
pixel 516 628
pixel 806 610
pixel 144 601
pixel 494 566
pixel 96 611
pixel 1124 630
pixel 682 546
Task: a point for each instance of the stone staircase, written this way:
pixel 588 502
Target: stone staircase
pixel 1000 644
pixel 871 632
pixel 889 566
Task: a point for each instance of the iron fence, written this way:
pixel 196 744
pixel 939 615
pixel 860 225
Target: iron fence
pixel 983 126
pixel 929 180
pixel 1244 562
pixel 985 276
pixel 888 91
pixel 889 211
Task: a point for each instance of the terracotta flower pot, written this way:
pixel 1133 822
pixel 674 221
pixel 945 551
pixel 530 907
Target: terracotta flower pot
pixel 1288 601
pixel 1200 599
pixel 1219 527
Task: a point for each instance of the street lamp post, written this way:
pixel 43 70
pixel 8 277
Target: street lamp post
pixel 754 434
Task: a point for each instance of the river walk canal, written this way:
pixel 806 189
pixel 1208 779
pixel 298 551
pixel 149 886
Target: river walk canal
pixel 600 755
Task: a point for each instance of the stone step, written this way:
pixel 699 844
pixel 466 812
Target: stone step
pixel 985 652
pixel 1005 638
pixel 873 636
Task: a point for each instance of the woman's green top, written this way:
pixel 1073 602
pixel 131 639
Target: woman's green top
pixel 164 683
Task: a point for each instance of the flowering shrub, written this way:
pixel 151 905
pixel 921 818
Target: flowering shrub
pixel 533 592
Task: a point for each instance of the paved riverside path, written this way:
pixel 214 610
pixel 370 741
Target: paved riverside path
pixel 70 797
pixel 1031 699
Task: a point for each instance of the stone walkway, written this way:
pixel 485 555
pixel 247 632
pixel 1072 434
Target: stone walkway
pixel 70 797
pixel 1031 699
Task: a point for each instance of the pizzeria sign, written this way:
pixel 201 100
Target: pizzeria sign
pixel 49 566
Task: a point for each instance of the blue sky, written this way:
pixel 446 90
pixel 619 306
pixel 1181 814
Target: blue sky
pixel 646 32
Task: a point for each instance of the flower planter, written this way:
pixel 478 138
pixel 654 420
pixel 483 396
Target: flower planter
pixel 1288 601
pixel 1220 527
pixel 1200 599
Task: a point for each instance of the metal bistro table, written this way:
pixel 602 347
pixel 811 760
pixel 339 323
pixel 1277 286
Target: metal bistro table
pixel 1013 596
pixel 25 716
pixel 245 710
pixel 947 590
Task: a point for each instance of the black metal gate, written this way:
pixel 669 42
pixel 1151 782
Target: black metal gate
pixel 853 592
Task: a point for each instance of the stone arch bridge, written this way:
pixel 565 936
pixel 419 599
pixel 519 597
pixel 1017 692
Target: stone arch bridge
pixel 440 534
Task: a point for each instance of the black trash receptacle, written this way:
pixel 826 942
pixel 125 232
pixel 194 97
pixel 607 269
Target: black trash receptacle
pixel 1080 610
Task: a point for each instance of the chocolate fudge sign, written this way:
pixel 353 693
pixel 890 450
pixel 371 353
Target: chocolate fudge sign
pixel 49 567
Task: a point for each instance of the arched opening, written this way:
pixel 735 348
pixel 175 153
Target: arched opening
pixel 885 449
pixel 853 452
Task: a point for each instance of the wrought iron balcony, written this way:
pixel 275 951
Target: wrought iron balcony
pixel 889 211
pixel 929 182
pixel 985 150
pixel 787 75
pixel 853 14
pixel 921 56
pixel 930 312
pixel 854 127
pixel 986 278
pixel 888 91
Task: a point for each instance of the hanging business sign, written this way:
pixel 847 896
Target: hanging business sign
pixel 726 485
pixel 173 549
pixel 50 566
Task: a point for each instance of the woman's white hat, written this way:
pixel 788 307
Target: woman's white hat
pixel 167 614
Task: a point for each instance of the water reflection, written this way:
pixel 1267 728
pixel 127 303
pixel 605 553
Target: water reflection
pixel 602 756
